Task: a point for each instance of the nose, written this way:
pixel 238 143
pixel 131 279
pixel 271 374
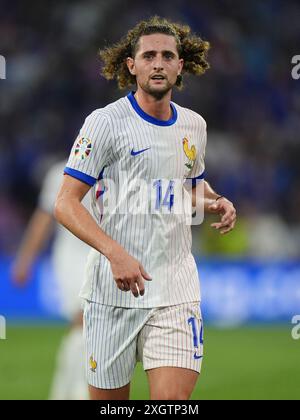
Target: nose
pixel 158 63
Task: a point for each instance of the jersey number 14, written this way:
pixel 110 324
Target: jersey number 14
pixel 168 199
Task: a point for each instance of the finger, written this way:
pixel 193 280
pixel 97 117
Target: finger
pixel 228 228
pixel 126 286
pixel 120 284
pixel 216 225
pixel 219 225
pixel 229 214
pixel 226 222
pixel 222 224
pixel 226 217
pixel 123 285
pixel 145 274
pixel 141 286
pixel 134 289
pixel 224 231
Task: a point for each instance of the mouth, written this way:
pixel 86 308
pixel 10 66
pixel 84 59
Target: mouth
pixel 158 77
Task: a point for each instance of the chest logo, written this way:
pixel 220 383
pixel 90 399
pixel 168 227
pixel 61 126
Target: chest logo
pixel 93 364
pixel 137 152
pixel 190 153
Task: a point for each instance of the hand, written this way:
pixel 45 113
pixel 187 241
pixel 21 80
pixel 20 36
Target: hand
pixel 20 273
pixel 226 209
pixel 128 273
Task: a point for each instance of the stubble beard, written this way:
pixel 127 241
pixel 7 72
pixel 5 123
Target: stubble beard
pixel 157 94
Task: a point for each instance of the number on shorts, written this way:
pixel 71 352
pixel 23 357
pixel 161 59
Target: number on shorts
pixel 192 321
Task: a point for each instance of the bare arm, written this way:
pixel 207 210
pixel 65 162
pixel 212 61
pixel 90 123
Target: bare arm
pixel 215 204
pixel 36 236
pixel 127 271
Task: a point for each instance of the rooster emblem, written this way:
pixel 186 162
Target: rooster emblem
pixel 189 152
pixel 93 364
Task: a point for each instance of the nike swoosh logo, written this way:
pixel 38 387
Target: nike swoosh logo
pixel 197 357
pixel 133 153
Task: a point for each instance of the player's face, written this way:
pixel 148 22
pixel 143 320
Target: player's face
pixel 156 64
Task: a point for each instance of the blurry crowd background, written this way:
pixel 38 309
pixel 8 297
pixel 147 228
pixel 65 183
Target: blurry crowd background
pixel 248 98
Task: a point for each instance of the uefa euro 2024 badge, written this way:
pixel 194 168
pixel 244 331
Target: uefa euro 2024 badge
pixel 83 148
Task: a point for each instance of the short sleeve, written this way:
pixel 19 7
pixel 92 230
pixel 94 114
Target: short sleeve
pixel 91 150
pixel 197 172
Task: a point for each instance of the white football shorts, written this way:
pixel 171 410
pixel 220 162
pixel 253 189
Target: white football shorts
pixel 116 338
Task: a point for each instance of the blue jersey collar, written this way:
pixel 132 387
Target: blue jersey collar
pixel 148 117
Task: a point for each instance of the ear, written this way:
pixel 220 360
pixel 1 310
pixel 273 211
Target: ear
pixel 180 66
pixel 130 65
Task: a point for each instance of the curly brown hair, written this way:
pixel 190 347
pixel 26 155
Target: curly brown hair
pixel 191 48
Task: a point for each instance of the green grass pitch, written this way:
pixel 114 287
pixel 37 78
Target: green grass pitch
pixel 244 363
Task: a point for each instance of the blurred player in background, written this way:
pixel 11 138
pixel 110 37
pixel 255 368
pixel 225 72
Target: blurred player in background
pixel 68 258
pixel 142 136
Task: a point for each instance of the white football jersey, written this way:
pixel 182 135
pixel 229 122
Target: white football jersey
pixel 138 167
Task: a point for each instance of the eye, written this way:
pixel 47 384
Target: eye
pixel 148 56
pixel 169 56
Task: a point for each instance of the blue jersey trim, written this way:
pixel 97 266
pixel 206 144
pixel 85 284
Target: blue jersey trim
pixel 201 176
pixel 87 179
pixel 148 117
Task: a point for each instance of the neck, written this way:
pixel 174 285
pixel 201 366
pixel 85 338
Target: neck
pixel 156 107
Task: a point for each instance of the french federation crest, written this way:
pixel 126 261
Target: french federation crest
pixel 190 153
pixel 83 148
pixel 93 364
